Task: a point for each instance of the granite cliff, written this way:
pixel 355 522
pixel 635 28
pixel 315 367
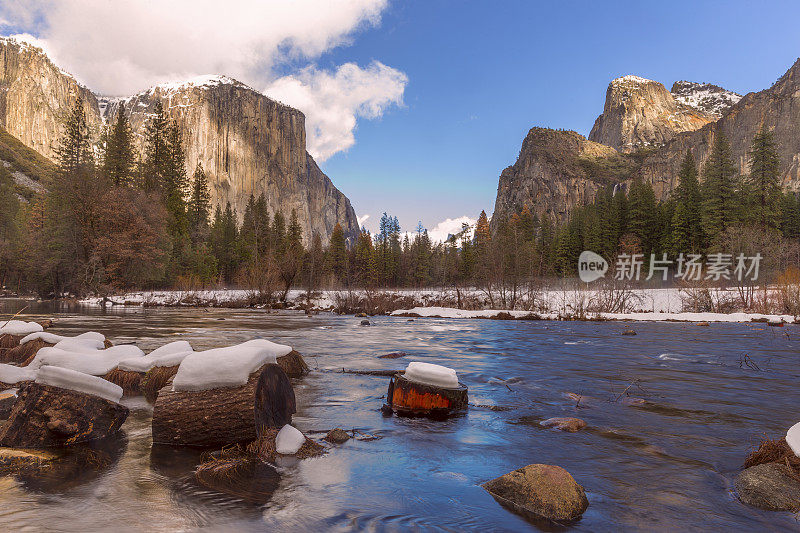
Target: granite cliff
pixel 246 142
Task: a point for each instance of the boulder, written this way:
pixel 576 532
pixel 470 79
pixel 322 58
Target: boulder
pixel 571 425
pixel 540 491
pixel 337 436
pixel 770 486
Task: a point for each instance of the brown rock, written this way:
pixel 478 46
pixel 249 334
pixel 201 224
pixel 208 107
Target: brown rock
pixel 539 490
pixel 564 424
pixel 629 332
pixel 337 436
pixel 769 486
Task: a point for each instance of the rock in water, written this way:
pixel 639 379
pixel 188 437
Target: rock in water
pixel 564 424
pixel 538 490
pixel 769 486
pixel 337 436
pixel 629 332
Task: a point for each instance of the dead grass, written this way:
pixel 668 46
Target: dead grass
pixel 293 364
pixel 774 451
pixel 23 354
pixel 264 447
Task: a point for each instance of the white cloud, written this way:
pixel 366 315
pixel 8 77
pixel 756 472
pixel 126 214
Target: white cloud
pixel 333 101
pixel 362 219
pixel 125 46
pixel 447 227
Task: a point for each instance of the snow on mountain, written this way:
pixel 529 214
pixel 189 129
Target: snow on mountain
pixel 704 96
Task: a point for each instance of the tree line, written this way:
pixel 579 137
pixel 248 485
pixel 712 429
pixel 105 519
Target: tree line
pixel 113 219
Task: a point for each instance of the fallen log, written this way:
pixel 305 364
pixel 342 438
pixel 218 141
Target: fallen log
pixel 48 416
pixel 156 379
pixel 22 354
pixel 222 416
pixel 7 342
pixel 129 380
pixel 293 364
pixel 412 398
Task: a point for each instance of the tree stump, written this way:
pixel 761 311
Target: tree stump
pixel 45 416
pixel 410 398
pixel 293 364
pixel 218 417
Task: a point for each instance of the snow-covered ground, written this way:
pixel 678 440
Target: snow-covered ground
pixel 640 304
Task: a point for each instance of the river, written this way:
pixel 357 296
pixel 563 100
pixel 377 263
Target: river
pixel 668 464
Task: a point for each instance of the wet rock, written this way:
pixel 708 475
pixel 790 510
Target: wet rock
pixel 13 460
pixel 393 355
pixel 361 315
pixel 337 436
pixel 539 490
pixel 769 486
pixel 571 425
pixel 365 322
pixel 703 324
pixel 629 332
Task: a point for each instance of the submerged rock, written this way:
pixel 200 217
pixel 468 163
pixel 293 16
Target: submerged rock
pixel 538 491
pixel 629 332
pixel 365 322
pixel 337 436
pixel 769 486
pixel 571 425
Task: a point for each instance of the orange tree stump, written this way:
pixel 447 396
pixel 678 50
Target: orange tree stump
pixel 410 398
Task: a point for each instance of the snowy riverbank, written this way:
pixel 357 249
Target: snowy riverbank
pixel 669 304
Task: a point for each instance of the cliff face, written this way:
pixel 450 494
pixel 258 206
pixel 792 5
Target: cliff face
pixel 35 97
pixel 246 142
pixel 556 170
pixel 559 170
pixel 778 108
pixel 641 113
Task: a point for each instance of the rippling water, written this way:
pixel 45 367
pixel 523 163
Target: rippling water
pixel 666 465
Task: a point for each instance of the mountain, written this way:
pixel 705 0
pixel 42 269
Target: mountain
pixel 639 112
pixel 638 135
pixel 246 142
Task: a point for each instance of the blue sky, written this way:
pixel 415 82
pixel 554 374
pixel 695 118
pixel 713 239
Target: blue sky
pixel 482 73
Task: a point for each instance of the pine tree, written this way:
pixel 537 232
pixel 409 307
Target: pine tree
pixel 158 156
pixel 74 151
pixel 719 209
pixel 337 254
pixel 687 229
pixel 119 160
pixel 199 208
pixel 764 180
pixel 175 184
pixel 643 215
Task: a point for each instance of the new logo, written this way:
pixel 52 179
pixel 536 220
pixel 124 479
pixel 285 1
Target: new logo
pixel 591 266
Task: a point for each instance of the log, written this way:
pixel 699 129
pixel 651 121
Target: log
pixel 219 417
pixel 129 380
pixel 293 364
pixel 45 416
pixel 156 379
pixel 8 341
pixel 23 354
pixel 410 398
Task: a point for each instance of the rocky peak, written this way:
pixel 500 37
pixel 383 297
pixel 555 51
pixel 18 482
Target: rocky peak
pixel 639 112
pixel 705 97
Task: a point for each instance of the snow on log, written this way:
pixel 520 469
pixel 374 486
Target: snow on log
pixel 130 372
pixel 52 338
pixel 214 417
pixel 11 376
pixel 426 390
pixel 84 359
pixel 62 408
pixel 289 360
pixel 19 328
pixel 793 439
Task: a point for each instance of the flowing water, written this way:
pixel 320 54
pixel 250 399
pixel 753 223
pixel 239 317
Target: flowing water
pixel 668 464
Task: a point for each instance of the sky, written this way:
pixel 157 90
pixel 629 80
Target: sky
pixel 415 107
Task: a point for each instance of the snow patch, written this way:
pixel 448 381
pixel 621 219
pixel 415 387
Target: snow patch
pixel 52 338
pixel 793 438
pixel 430 374
pixel 226 367
pixel 206 81
pixel 171 354
pixel 79 382
pixel 20 327
pixel 705 97
pixel 10 374
pixel 87 361
pixel 76 344
pixel 289 440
